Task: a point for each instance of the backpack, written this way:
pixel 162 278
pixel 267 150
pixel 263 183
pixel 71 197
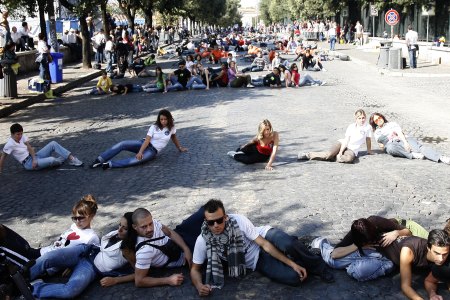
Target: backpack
pixel 170 249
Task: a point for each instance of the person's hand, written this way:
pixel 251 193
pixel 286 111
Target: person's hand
pixel 165 92
pixel 66 272
pixel 407 147
pixel 369 152
pixel 207 88
pixel 176 279
pixel 388 238
pixel 182 149
pixel 34 164
pixel 436 297
pixel 139 156
pixel 108 281
pixel 301 272
pixel 269 167
pixel 204 290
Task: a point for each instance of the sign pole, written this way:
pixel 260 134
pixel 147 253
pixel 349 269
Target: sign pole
pixel 392 33
pixel 373 25
pixel 428 23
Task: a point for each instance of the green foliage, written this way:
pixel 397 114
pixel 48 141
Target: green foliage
pixel 232 15
pixel 19 7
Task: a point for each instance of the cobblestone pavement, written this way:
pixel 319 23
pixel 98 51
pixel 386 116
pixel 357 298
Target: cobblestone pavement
pixel 317 198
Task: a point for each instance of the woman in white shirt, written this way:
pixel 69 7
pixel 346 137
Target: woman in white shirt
pixel 157 138
pixel 390 137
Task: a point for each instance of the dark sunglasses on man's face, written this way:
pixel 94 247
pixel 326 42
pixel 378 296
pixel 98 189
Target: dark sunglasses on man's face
pixel 218 221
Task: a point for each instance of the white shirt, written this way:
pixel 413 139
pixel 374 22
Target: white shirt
pixel 42 46
pixel 390 130
pixel 72 237
pixel 358 135
pixel 18 150
pixel 160 137
pixel 332 30
pixel 65 38
pixel 148 256
pixel 109 46
pixel 251 248
pixel 110 258
pixel 72 38
pixel 411 38
pixel 25 31
pixel 15 36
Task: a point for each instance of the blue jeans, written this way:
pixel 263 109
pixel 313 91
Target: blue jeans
pixel 45 159
pixel 83 272
pixel 332 42
pixel 397 148
pixel 176 86
pixel 412 58
pixel 109 61
pixel 132 146
pixel 361 268
pixel 195 83
pixel 252 69
pixel 308 80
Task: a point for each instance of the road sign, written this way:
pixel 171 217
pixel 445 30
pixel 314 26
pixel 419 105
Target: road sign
pixel 373 10
pixel 345 12
pixel 392 17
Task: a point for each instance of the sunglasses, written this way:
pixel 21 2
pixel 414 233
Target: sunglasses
pixel 80 218
pixel 218 221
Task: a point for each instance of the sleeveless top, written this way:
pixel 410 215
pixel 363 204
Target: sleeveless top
pixel 266 150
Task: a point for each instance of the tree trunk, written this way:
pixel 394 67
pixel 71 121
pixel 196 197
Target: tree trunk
pixel 130 20
pixel 105 18
pixel 148 13
pixel 41 4
pixel 86 46
pixel 52 26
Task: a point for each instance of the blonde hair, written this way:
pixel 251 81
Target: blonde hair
pixel 87 206
pixel 261 128
pixel 360 112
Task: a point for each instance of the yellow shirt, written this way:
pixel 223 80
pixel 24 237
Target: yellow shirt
pixel 104 84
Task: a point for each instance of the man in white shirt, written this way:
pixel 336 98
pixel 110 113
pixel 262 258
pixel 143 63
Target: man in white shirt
pixel 15 36
pixel 234 239
pixel 19 147
pixel 157 246
pixel 27 36
pixel 411 38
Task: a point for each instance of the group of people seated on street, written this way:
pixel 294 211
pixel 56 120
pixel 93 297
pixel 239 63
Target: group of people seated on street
pixel 215 245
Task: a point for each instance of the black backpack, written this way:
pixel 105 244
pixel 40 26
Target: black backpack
pixel 170 249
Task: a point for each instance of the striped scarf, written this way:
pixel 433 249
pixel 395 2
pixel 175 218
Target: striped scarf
pixel 231 243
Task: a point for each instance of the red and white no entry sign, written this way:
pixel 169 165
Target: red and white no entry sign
pixel 392 17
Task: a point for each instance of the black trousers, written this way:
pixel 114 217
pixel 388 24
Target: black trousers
pixel 250 155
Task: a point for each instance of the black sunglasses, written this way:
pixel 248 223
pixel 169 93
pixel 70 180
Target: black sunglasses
pixel 80 218
pixel 218 221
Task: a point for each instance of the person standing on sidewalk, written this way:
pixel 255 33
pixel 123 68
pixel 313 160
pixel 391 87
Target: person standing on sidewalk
pixel 411 43
pixel 332 35
pixel 43 60
pixel 19 147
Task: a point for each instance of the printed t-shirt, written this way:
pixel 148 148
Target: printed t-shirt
pixel 183 76
pixel 160 137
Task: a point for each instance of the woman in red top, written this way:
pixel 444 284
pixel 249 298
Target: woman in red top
pixel 262 148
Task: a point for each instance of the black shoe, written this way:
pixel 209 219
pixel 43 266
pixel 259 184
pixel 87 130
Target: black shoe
pixel 315 251
pixel 326 275
pixel 106 166
pixel 307 240
pixel 96 163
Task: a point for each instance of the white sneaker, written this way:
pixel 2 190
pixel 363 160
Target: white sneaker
pixel 417 155
pixel 231 153
pixel 303 156
pixel 250 85
pixel 323 83
pixel 75 162
pixel 445 159
pixel 324 70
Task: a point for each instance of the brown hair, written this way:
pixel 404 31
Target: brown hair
pixel 86 206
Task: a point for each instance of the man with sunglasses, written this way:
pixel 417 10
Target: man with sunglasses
pixel 181 79
pixel 235 240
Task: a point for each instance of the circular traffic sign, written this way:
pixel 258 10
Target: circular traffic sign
pixel 392 17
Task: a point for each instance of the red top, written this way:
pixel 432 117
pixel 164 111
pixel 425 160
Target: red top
pixel 266 150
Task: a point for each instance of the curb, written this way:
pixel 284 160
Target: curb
pixel 6 111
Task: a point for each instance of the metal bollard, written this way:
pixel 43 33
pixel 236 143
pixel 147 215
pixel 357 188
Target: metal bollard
pixel 8 85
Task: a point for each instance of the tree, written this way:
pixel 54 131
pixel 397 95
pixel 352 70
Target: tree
pixel 232 15
pixel 265 12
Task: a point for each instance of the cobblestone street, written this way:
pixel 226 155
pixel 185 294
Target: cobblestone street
pixel 313 198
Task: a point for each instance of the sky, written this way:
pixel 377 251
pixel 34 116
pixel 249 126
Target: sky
pixel 247 3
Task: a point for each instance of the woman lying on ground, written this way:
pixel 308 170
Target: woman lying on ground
pixel 157 138
pixel 346 150
pixel 80 232
pixel 262 148
pixel 390 137
pixel 88 262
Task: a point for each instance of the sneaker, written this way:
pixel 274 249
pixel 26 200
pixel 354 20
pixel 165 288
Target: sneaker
pixel 323 83
pixel 307 240
pixel 417 155
pixel 32 283
pixel 303 156
pixel 75 162
pixel 315 84
pixel 231 153
pixel 250 85
pixel 324 70
pixel 445 159
pixel 95 164
pixel 105 166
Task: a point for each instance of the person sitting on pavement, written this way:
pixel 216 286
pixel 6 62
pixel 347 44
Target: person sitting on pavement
pixel 160 83
pixel 156 140
pixel 216 54
pixel 20 148
pixel 234 239
pixel 190 64
pixel 295 75
pixel 346 150
pixel 181 78
pixel 272 79
pixel 111 260
pixel 390 138
pixel 80 232
pixel 262 148
pixel 238 80
pixel 103 85
pixel 221 79
pixel 258 64
pixel 123 89
pixel 310 63
pixel 158 246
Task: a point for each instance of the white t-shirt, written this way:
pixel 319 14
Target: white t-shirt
pixel 148 256
pixel 110 258
pixel 358 135
pixel 18 150
pixel 251 248
pixel 72 237
pixel 390 130
pixel 160 137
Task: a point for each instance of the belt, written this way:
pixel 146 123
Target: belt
pixel 25 160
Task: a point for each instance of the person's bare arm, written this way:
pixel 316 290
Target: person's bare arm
pixel 2 160
pixel 180 242
pixel 196 277
pixel 431 285
pixel 144 146
pixel 142 280
pixel 391 236
pixel 276 140
pixel 406 261
pixel 110 281
pixel 369 145
pixel 33 154
pixel 343 251
pixel 177 143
